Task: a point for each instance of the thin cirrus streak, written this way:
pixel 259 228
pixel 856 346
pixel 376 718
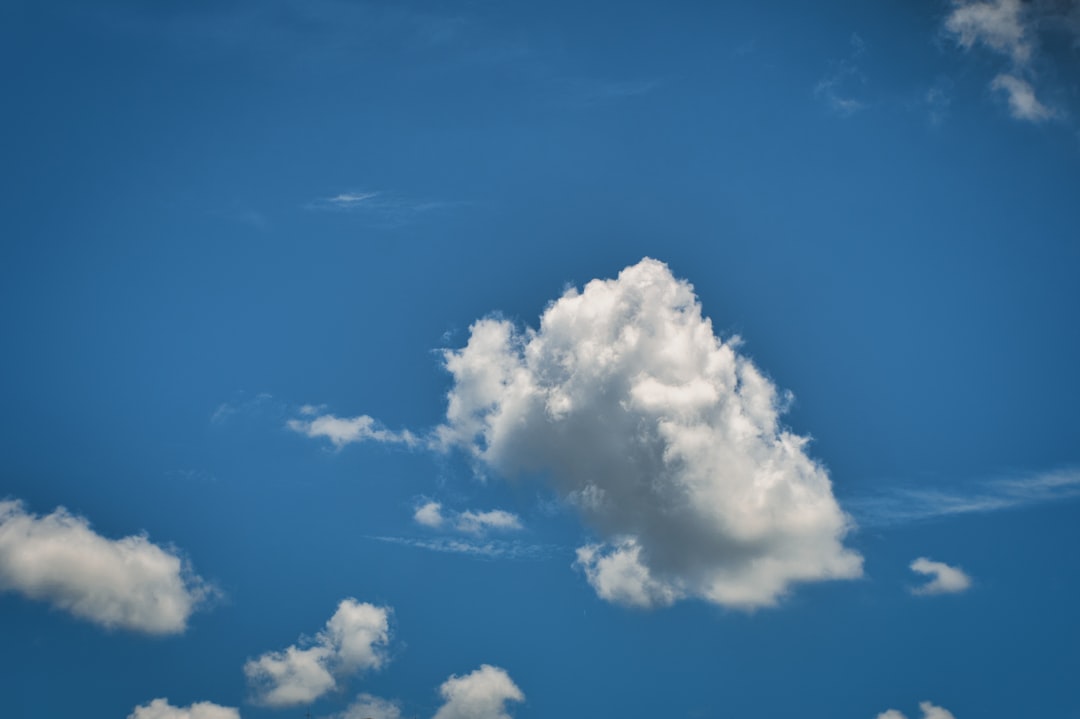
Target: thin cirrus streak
pixel 490 549
pixel 900 506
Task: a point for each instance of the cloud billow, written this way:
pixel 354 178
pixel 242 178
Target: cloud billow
pixel 354 639
pixel 665 438
pixel 128 583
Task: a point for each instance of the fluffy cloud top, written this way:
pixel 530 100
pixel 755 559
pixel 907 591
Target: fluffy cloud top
pixel 483 694
pixel 127 583
pixel 665 437
pixel 945 579
pixel 161 709
pixel 353 640
pixel 430 514
pixel 929 712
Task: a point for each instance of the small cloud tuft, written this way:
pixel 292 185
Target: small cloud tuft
pixel 945 579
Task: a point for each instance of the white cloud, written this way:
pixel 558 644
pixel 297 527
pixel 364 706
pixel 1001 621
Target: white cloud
pixel 1000 25
pixel 370 707
pixel 666 439
pixel 946 579
pixel 929 711
pixel 129 583
pixel 347 430
pixel 161 709
pixel 353 640
pixel 483 694
pixel 430 514
pixel 1023 105
pixel 480 522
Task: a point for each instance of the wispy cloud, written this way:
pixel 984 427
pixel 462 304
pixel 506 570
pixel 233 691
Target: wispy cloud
pixel 486 549
pixel 381 207
pixel 837 89
pixel 900 506
pixel 1011 29
pixel 1023 105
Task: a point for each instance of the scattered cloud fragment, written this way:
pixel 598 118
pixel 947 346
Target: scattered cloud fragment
pixel 129 583
pixel 929 711
pixel 354 640
pixel 161 709
pixel 347 430
pixel 483 694
pixel 431 514
pixel 482 549
pixel 944 579
pixel 838 88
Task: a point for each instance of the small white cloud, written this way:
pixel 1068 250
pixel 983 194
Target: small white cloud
pixel 999 24
pixel 946 579
pixel 480 522
pixel 354 640
pixel 1023 105
pixel 483 694
pixel 127 583
pixel 347 430
pixel 161 709
pixel 429 514
pixel 929 711
pixel 367 706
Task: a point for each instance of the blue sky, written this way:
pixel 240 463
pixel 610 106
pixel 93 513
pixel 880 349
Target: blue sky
pixel 410 360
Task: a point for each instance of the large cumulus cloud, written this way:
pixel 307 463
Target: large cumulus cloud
pixel 665 438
